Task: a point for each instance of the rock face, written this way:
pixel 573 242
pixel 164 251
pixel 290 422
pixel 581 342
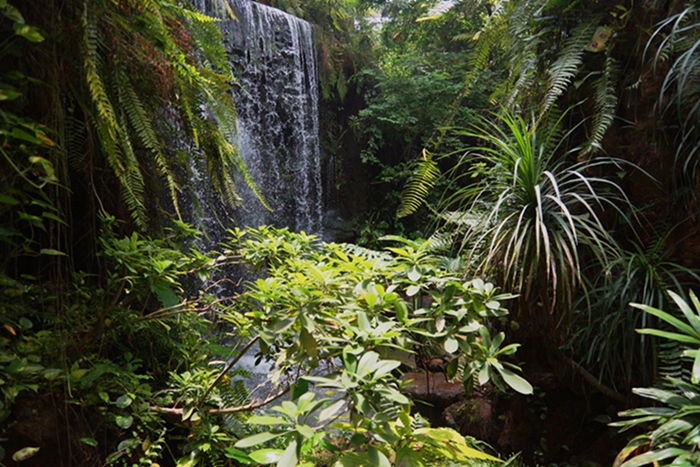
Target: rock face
pixel 432 394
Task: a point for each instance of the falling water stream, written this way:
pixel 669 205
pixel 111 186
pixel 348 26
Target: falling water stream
pixel 276 94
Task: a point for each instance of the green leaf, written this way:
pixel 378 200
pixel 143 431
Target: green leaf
pixel 240 456
pixel 653 456
pixel 330 411
pixel 166 296
pixel 124 401
pixel 28 32
pixel 451 345
pixel 51 252
pixel 289 456
pixel 353 459
pixel 308 343
pixel 24 453
pixel 124 422
pixel 8 94
pixel 306 431
pixel 412 290
pixel 299 388
pixel 266 456
pixel 256 439
pixel 266 420
pixel 4 198
pixel 52 373
pixel 516 382
pixel 89 441
pixel 407 457
pixel 377 457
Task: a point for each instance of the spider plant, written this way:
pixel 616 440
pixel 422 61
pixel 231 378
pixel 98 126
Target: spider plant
pixel 606 324
pixel 535 215
pixel 680 91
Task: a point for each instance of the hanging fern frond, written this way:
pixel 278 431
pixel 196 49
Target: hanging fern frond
pixel 567 64
pixel 138 119
pixel 605 105
pixel 419 185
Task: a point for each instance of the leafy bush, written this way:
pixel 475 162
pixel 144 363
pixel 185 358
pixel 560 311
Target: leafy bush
pixel 675 435
pixel 343 318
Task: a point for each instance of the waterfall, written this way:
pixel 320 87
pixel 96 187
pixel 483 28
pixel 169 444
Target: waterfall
pixel 276 94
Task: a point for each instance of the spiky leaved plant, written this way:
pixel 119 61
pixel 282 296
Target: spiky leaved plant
pixel 679 36
pixel 537 215
pixel 605 341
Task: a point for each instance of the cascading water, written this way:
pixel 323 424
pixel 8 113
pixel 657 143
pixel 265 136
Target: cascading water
pixel 276 95
pixel 272 57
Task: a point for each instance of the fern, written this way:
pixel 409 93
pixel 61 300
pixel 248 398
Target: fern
pixel 605 105
pixel 567 64
pixel 419 185
pixel 140 122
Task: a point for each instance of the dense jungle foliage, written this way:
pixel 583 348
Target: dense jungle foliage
pixel 521 180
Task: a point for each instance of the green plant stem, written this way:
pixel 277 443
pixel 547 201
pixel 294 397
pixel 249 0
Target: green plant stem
pixel 229 366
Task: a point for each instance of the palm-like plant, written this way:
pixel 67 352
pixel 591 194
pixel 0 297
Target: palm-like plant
pixel 536 215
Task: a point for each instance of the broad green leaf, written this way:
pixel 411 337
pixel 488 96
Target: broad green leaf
pixel 240 456
pixel 124 422
pixel 673 321
pixel 89 441
pixel 516 382
pixel 407 457
pixel 266 420
pixel 451 345
pixel 124 401
pixel 308 343
pixel 300 387
pixel 670 428
pixel 4 199
pixel 414 273
pixel 8 94
pixel 330 411
pixel 306 431
pixel 385 366
pixel 377 457
pixel 127 443
pixel 24 453
pixel 266 456
pixel 166 295
pixel 367 363
pixel 661 395
pixel 412 290
pixel 256 439
pixel 690 315
pixel 353 459
pixel 28 32
pixel 674 336
pixel 653 457
pixel 289 456
pixel 52 373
